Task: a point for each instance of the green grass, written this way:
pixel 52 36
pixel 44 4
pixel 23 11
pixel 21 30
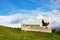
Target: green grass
pixel 16 34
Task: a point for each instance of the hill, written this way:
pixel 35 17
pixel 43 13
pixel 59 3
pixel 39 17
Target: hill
pixel 7 33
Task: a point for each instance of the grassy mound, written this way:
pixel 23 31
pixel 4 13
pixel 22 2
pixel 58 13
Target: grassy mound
pixel 7 33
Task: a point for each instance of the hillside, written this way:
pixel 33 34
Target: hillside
pixel 7 33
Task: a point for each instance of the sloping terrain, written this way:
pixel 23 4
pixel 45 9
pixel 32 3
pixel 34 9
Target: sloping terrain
pixel 7 33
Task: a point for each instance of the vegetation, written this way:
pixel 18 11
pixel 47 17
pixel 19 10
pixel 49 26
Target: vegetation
pixel 7 33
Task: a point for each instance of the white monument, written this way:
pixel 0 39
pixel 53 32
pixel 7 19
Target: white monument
pixel 42 25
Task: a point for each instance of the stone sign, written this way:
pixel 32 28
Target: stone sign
pixel 41 25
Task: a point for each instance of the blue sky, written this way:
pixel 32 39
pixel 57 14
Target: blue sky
pixel 8 6
pixel 15 12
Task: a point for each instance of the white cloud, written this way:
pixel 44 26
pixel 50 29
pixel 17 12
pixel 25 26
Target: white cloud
pixel 15 20
pixel 55 3
pixel 48 3
pixel 54 17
